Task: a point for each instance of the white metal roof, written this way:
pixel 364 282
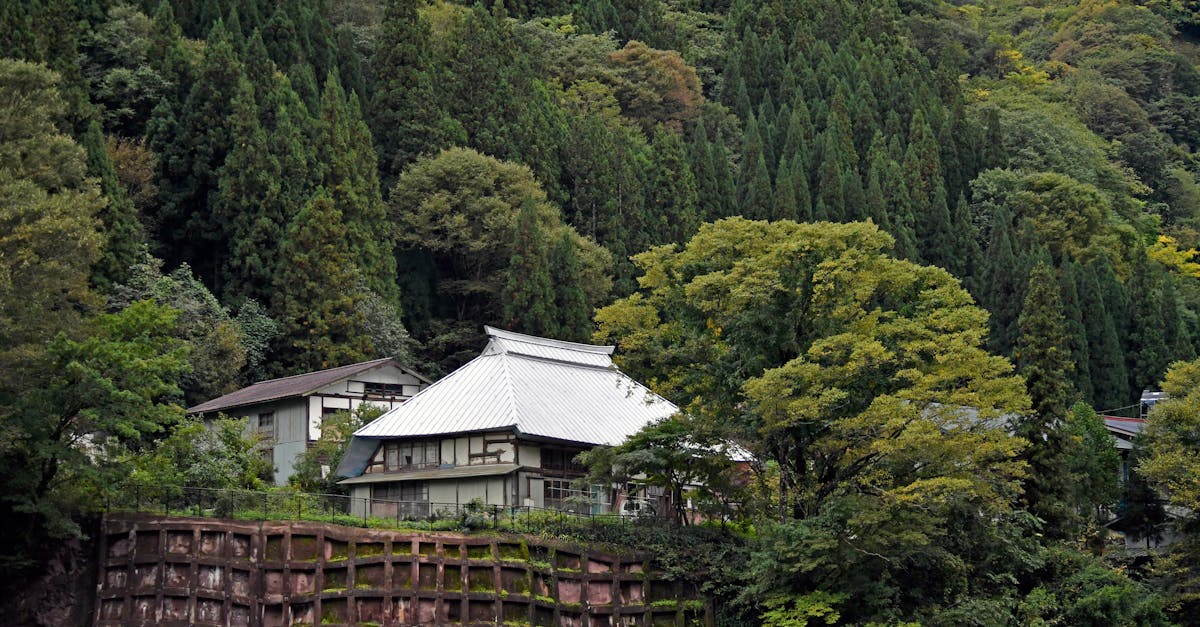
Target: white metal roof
pixel 539 387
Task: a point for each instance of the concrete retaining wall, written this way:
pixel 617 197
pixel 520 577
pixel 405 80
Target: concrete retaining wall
pixel 157 570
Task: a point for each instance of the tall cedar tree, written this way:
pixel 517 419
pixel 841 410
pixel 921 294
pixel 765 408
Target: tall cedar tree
pixel 673 200
pixel 574 315
pixel 528 297
pixel 754 184
pixel 1146 353
pixel 124 239
pixel 406 117
pixel 1076 331
pixel 192 139
pixel 1106 357
pixel 351 179
pixel 1044 359
pixel 1002 286
pixel 248 202
pixel 316 298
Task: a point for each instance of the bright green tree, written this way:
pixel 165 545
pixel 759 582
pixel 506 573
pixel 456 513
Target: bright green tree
pixel 1169 462
pixel 847 369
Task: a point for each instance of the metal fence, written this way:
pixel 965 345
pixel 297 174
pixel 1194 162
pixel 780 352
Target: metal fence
pixel 356 511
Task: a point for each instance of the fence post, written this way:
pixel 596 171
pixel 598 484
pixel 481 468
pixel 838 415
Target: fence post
pixel 137 497
pixel 495 517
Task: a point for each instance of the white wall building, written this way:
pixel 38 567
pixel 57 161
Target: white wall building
pixel 503 429
pixel 288 412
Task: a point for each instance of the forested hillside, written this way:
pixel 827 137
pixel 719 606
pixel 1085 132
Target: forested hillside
pixel 199 194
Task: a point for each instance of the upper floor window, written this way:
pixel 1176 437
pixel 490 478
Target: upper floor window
pixel 383 389
pixel 561 459
pixel 266 424
pixel 411 455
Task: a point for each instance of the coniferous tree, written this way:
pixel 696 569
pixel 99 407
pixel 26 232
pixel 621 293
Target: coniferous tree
pixel 192 141
pixel 799 176
pixel 124 239
pixel 754 183
pixel 726 188
pixel 1178 342
pixel 1045 361
pixel 248 200
pixel 574 317
pixel 351 179
pixel 672 194
pixel 1076 337
pixel 406 117
pixel 528 299
pixel 316 299
pixel 708 201
pixel 1106 357
pixel 785 207
pixel 1146 351
pixel 1002 286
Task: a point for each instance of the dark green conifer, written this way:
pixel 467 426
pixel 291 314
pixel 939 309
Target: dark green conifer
pixel 528 300
pixel 1146 354
pixel 124 238
pixel 1045 361
pixel 406 116
pixel 316 299
pixel 672 196
pixel 351 179
pixel 1106 357
pixel 1075 339
pixel 574 317
pixel 1003 289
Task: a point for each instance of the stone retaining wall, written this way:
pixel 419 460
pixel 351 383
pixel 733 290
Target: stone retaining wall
pixel 157 570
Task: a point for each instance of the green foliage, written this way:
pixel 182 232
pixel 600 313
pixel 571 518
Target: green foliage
pixel 1168 462
pixel 316 298
pixel 528 297
pixel 117 387
pixel 218 454
pixel 219 346
pixel 671 454
pixel 848 369
pixel 313 469
pixel 461 208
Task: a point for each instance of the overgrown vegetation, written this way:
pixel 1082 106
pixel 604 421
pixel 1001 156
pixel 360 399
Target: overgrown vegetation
pixel 784 213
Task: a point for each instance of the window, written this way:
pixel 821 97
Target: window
pixel 400 499
pixel 411 455
pixel 266 424
pixel 401 491
pixel 555 493
pixel 383 389
pixel 561 459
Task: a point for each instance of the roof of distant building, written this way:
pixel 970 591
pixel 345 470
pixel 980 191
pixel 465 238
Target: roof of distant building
pixel 296 385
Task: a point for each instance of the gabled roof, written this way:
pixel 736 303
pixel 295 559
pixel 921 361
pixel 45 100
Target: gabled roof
pixel 296 385
pixel 535 386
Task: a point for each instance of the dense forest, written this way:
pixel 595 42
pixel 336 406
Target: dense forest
pixel 200 194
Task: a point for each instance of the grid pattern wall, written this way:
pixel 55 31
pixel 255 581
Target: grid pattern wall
pixel 205 572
